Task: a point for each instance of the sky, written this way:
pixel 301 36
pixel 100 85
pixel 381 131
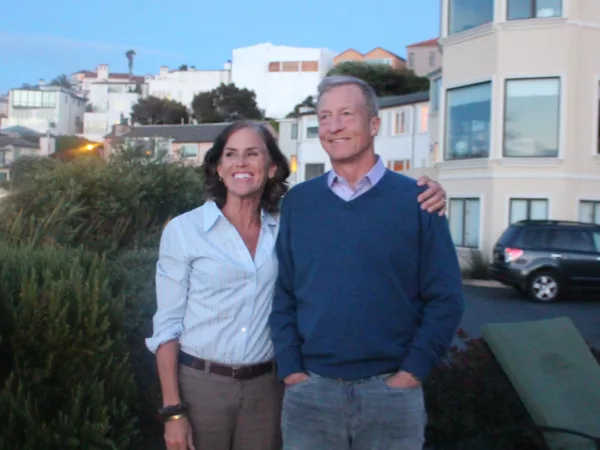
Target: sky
pixel 38 41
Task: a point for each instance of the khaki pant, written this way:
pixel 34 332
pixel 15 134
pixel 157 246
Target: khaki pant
pixel 226 414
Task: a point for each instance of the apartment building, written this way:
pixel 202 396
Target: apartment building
pixel 424 57
pixel 184 84
pixel 376 56
pixel 83 80
pixel 402 143
pixel 516 113
pixel 45 109
pixel 281 76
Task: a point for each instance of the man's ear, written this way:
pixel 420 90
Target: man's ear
pixel 375 124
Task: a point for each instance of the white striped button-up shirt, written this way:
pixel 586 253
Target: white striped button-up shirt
pixel 211 294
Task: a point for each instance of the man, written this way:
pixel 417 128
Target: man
pixel 369 291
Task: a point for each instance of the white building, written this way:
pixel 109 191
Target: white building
pixel 83 80
pixel 184 85
pixel 109 104
pixel 46 108
pixel 281 76
pixel 402 143
pixel 110 98
pixel 516 114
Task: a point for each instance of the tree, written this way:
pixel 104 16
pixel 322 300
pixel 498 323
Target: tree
pixel 183 67
pixel 226 104
pixel 158 111
pixel 307 102
pixel 130 54
pixel 62 81
pixel 385 80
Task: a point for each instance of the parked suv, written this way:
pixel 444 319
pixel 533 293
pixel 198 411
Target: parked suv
pixel 545 259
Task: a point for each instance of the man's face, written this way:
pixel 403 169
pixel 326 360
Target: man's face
pixel 346 128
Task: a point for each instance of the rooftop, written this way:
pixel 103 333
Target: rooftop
pixel 427 43
pixel 9 141
pixel 206 132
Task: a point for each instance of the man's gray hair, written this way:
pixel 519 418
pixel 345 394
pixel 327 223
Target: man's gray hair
pixel 333 81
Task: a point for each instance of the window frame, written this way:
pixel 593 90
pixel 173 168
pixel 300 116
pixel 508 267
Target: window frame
pixel 595 209
pixel 447 120
pixel 464 201
pixel 449 11
pixel 528 201
pixel 313 164
pixel 558 119
pixel 533 11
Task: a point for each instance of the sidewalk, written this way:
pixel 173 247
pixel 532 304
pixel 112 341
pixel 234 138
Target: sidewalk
pixel 484 283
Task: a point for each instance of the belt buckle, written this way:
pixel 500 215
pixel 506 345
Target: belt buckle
pixel 234 372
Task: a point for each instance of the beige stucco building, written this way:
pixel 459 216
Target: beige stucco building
pixel 515 114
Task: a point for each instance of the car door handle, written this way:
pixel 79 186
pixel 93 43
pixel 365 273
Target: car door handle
pixel 556 255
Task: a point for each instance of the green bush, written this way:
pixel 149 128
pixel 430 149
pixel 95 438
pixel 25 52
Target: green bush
pixel 105 206
pixel 66 380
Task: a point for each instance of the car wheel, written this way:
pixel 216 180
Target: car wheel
pixel 544 286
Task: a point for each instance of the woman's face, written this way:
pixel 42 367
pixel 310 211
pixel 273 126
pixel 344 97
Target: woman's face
pixel 245 164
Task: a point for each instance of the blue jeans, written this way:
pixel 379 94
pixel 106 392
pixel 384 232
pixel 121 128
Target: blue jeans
pixel 328 414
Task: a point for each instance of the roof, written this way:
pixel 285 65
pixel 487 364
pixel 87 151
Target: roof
pixel 21 131
pixel 6 141
pixel 112 75
pixel 206 132
pixel 407 99
pixel 427 43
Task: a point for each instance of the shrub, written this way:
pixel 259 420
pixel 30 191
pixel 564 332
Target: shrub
pixel 66 380
pixel 104 206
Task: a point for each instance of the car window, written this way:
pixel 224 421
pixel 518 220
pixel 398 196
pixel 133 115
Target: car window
pixel 510 237
pixel 573 240
pixel 537 238
pixel 597 241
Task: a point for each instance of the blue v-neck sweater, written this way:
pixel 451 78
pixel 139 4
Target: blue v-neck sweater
pixel 366 286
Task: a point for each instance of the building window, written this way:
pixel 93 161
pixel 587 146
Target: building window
pixel 432 58
pixel 468 111
pixel 532 117
pixel 528 209
pixel 411 60
pixel 436 91
pixel 399 122
pixel 313 170
pixel 312 132
pixel 386 61
pixel 423 119
pixel 34 99
pixel 399 165
pixel 3 176
pixel 294 131
pixel 533 9
pixel 189 150
pixel 464 217
pixel 466 14
pixel 589 211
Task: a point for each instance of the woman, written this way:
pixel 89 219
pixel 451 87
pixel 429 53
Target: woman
pixel 214 281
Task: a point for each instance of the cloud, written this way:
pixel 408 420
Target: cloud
pixel 21 41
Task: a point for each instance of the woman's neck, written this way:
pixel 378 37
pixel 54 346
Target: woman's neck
pixel 243 213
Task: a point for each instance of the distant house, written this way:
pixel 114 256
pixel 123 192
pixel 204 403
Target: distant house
pixel 424 57
pixel 11 149
pixel 187 142
pixel 376 56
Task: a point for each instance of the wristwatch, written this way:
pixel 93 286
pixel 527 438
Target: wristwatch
pixel 170 411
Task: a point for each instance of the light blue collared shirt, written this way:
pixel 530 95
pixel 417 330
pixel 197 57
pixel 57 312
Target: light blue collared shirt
pixel 343 189
pixel 211 294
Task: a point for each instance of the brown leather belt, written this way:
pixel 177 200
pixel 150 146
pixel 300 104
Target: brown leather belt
pixel 236 372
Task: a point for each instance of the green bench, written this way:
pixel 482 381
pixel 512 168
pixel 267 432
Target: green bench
pixel 555 375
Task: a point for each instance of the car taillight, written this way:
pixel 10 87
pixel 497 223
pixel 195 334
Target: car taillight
pixel 512 254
